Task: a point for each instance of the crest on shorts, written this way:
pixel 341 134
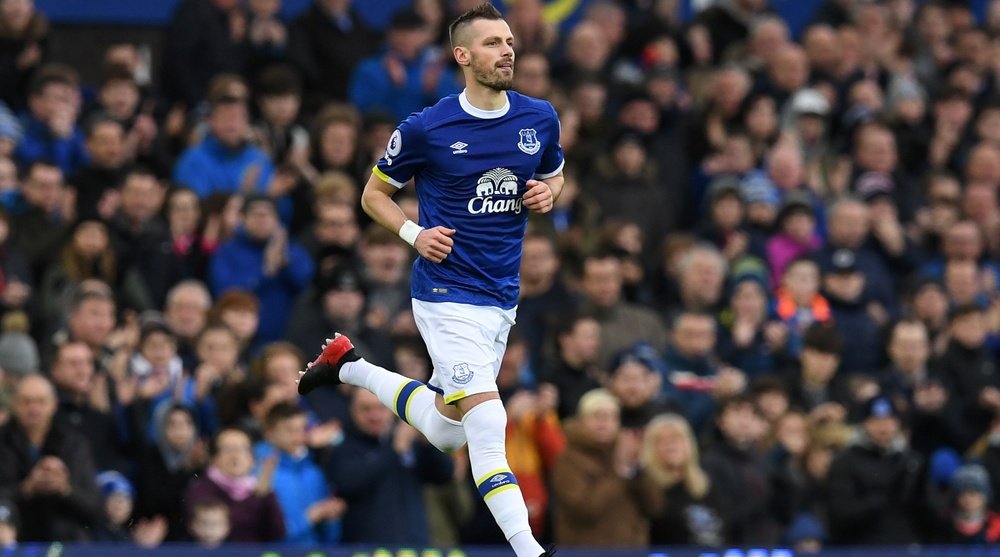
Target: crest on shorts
pixel 529 141
pixel 462 374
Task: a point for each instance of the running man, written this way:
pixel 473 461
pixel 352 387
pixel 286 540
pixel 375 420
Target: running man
pixel 480 160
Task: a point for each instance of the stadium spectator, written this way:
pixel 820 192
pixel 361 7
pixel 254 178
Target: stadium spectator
pixel 692 512
pixel 185 312
pixel 380 469
pixel 117 524
pixel 601 497
pixel 796 235
pixel 50 471
pixel 209 523
pixel 85 405
pixel 693 376
pixel 877 486
pixel 756 505
pixel 50 127
pixel 96 183
pixel 8 525
pixel 543 292
pixel 191 242
pixel 749 339
pixel 813 382
pixel 25 33
pixel 204 38
pixel 225 161
pixel 852 314
pixel 634 379
pixel 386 258
pixel 326 42
pixel 407 76
pixel 261 259
pixel 168 466
pixel 970 374
pixel 41 214
pixel 254 514
pixel 338 302
pixel 622 323
pixel 312 514
pixel 573 369
pixel 970 520
pixel 278 130
pixel 140 233
pixel 240 311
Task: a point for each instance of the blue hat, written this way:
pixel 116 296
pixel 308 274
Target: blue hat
pixel 943 464
pixel 879 407
pixel 112 482
pixel 642 353
pixel 757 187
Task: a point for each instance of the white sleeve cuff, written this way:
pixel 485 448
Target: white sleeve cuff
pixel 540 176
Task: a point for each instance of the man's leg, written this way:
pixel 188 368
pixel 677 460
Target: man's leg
pixel 411 400
pixel 485 423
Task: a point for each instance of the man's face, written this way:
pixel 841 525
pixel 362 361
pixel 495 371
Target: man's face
pixel 343 306
pixel 602 281
pixel 260 221
pixel 407 43
pixel 632 384
pixel 969 330
pixel 336 225
pixel 56 99
pixel 583 340
pixel 186 312
pixel 882 430
pixel 34 403
pixel 962 241
pixel 44 188
pixel 817 366
pixel 703 279
pixel 219 348
pixel 877 150
pixel 142 197
pixel 849 225
pixel 369 414
pixel 491 53
pixel 533 75
pixel 229 124
pixel 538 261
pixel 289 435
pixel 909 347
pixel 120 98
pixel 73 369
pixel 694 335
pixel 106 145
pixel 93 321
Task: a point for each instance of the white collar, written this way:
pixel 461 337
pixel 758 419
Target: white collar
pixel 463 100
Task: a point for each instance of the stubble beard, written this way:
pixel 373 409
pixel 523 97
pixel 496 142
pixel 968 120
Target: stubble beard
pixel 492 79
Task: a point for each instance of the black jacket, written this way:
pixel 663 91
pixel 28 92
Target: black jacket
pixel 876 496
pixel 965 373
pixel 326 52
pixel 199 46
pixel 50 517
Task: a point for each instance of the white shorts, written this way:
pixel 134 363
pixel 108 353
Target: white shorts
pixel 466 344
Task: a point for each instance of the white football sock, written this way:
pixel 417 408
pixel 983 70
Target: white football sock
pixel 485 428
pixel 411 400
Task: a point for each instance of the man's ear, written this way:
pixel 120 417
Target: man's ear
pixel 462 55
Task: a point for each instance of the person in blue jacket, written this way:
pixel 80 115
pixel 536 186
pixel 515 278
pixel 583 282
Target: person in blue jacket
pixel 312 514
pixel 261 259
pixel 407 76
pixel 226 162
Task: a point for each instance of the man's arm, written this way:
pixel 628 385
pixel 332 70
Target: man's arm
pixel 431 243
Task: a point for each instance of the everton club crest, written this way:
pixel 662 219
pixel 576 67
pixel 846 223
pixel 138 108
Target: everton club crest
pixel 529 143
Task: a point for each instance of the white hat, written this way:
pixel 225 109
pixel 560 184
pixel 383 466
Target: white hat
pixel 810 101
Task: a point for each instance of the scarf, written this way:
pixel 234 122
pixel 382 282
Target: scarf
pixel 238 489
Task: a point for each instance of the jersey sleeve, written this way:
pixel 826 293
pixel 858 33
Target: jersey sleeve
pixel 404 155
pixel 552 157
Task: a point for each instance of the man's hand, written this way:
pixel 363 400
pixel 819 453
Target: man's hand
pixel 538 198
pixel 435 243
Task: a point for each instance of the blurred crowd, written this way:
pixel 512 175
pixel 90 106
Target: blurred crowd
pixel 764 311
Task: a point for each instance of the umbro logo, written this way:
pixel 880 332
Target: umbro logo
pixel 459 147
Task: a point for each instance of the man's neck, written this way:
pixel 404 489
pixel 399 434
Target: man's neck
pixel 36 436
pixel 485 98
pixel 536 288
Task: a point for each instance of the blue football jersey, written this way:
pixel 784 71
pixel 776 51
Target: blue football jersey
pixel 470 167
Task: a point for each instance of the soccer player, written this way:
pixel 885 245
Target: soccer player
pixel 480 160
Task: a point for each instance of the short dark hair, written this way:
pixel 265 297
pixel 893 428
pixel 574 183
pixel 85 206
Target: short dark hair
pixel 823 338
pixel 486 10
pixel 965 310
pixel 281 412
pixel 279 80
